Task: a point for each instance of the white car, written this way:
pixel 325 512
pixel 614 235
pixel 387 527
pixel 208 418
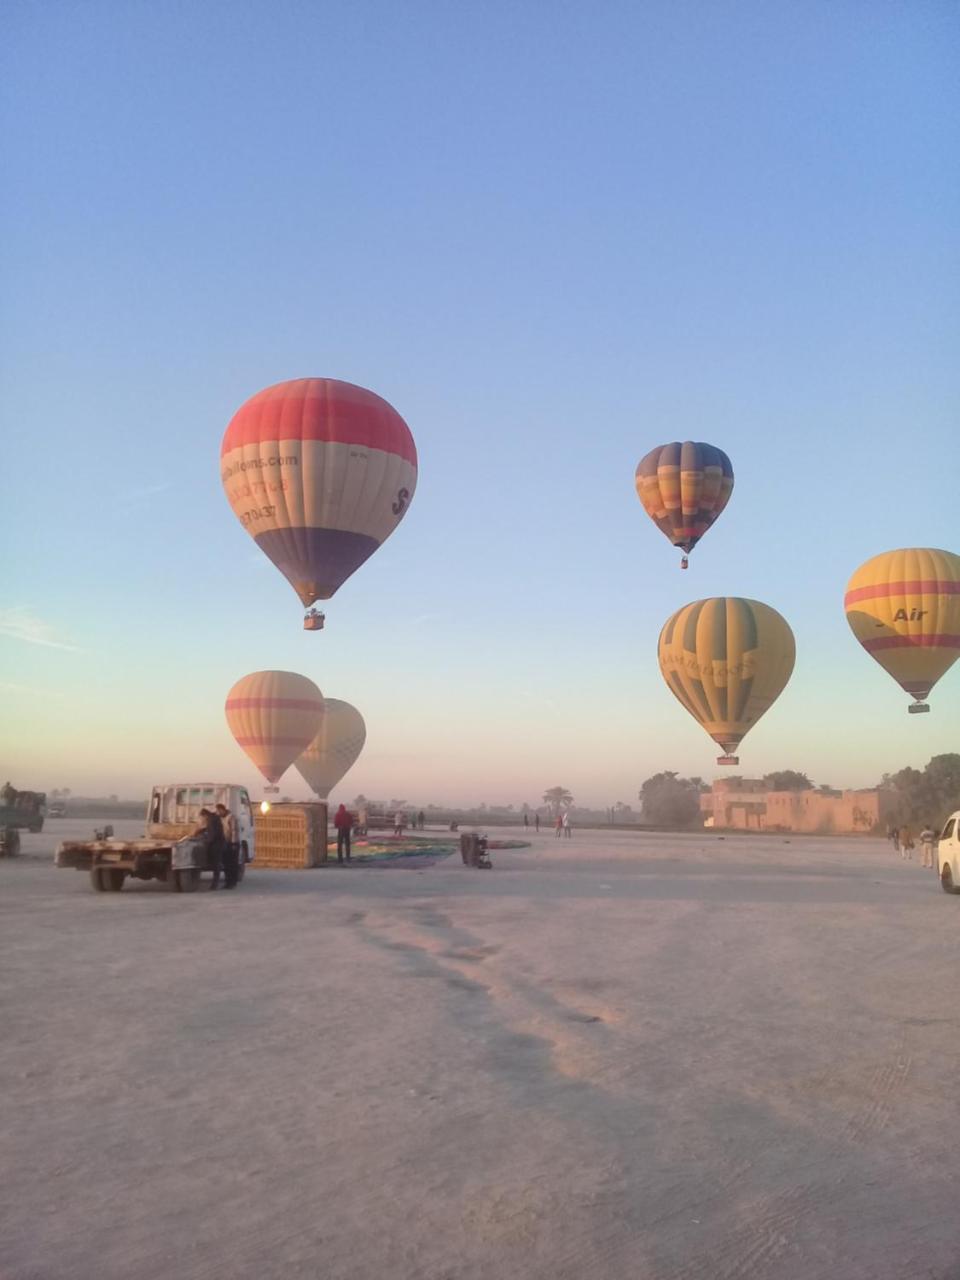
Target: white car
pixel 948 854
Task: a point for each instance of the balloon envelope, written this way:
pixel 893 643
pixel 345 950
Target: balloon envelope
pixel 904 608
pixel 273 715
pixel 335 749
pixel 319 472
pixel 683 488
pixel 726 660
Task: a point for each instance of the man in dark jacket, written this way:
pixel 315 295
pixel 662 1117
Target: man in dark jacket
pixel 343 821
pixel 210 831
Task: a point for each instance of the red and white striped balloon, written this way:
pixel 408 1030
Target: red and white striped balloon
pixel 274 716
pixel 319 472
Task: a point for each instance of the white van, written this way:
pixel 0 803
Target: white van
pixel 948 854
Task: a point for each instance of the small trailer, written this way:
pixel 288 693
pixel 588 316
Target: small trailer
pixel 166 852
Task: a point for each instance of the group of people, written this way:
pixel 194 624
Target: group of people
pixel 562 826
pixel 217 829
pixel 902 840
pixel 417 821
pixel 536 821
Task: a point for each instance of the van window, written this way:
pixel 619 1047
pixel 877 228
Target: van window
pixel 948 829
pixel 181 795
pixel 155 807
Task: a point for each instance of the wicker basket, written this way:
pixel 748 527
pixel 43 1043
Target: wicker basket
pixel 291 837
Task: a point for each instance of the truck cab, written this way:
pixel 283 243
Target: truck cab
pixel 948 854
pixel 173 811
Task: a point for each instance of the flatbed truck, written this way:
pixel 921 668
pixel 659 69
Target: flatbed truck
pixel 166 852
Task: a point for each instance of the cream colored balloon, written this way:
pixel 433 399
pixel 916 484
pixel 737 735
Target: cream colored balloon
pixel 335 749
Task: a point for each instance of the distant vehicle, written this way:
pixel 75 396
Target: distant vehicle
pixel 56 811
pixel 164 853
pixel 23 809
pixel 948 854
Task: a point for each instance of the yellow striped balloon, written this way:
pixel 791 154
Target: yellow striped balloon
pixel 335 749
pixel 726 660
pixel 904 608
pixel 274 715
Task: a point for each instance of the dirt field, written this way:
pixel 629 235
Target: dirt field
pixel 647 1058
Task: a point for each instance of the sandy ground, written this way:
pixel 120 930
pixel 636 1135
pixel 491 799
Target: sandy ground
pixel 655 1058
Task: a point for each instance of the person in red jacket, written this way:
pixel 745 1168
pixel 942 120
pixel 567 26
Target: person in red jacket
pixel 343 821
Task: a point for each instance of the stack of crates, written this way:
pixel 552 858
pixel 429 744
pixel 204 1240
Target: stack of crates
pixel 291 836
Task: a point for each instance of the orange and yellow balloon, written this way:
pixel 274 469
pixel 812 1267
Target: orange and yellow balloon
pixel 683 488
pixel 335 749
pixel 319 473
pixel 726 660
pixel 274 715
pixel 904 608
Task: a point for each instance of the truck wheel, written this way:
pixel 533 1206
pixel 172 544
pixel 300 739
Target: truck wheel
pixel 186 881
pixel 97 880
pixel 946 879
pixel 112 878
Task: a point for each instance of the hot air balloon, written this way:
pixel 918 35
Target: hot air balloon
pixel 335 749
pixel 904 608
pixel 726 660
pixel 274 715
pixel 320 473
pixel 683 488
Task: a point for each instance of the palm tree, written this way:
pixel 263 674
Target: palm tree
pixel 558 798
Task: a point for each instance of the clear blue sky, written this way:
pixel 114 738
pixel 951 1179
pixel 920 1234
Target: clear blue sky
pixel 553 236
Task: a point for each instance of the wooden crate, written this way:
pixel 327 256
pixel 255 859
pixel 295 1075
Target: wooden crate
pixel 291 836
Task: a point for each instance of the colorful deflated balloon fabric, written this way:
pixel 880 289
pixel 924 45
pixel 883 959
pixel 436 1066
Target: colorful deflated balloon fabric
pixel 335 749
pixel 683 488
pixel 320 473
pixel 274 715
pixel 726 660
pixel 904 608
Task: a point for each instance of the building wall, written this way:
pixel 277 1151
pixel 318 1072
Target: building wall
pixel 745 806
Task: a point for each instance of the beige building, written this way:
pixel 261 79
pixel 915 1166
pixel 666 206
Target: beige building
pixel 744 804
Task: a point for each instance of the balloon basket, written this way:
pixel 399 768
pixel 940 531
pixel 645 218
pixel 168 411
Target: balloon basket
pixel 728 759
pixel 313 621
pixel 916 708
pixel 684 563
pixel 271 791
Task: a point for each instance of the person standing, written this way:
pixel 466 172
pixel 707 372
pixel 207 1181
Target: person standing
pixel 231 847
pixel 210 831
pixel 526 822
pixel 567 829
pixel 558 829
pixel 343 821
pixel 928 839
pixel 536 822
pixel 905 840
pixel 398 823
pixel 421 819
